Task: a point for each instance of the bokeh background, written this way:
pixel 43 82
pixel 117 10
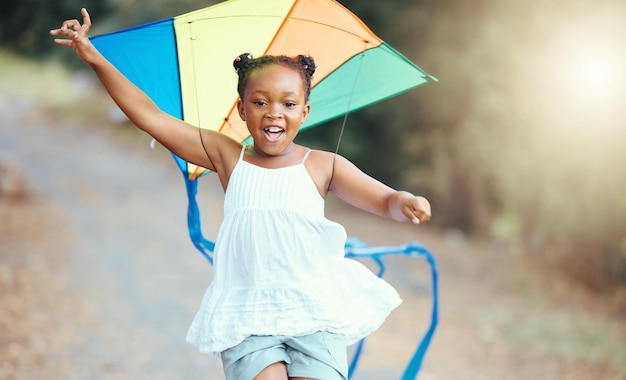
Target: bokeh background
pixel 520 146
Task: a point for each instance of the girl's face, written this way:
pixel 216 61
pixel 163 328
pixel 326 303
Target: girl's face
pixel 273 108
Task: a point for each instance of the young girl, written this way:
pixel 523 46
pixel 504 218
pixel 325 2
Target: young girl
pixel 284 303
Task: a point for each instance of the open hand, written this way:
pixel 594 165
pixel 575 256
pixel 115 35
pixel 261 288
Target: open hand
pixel 76 37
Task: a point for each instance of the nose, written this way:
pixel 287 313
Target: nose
pixel 274 112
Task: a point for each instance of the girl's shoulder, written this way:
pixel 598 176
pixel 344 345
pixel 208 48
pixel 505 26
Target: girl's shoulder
pixel 319 164
pixel 325 159
pixel 317 158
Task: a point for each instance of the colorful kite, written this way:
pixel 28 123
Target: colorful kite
pixel 185 65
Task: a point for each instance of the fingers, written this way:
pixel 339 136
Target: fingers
pixel 74 35
pixel 70 34
pixel 71 24
pixel 73 28
pixel 86 19
pixel 63 42
pixel 419 211
pixel 419 217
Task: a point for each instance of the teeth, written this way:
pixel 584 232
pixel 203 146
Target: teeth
pixel 274 129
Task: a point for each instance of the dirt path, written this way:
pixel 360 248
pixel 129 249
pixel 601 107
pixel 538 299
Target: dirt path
pixel 98 279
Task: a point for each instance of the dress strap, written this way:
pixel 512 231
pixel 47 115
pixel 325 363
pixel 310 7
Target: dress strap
pixel 306 155
pixel 243 149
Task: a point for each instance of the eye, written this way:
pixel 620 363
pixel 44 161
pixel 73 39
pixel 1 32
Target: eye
pixel 290 104
pixel 260 103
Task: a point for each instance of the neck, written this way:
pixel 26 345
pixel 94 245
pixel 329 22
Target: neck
pixel 287 157
pixel 284 153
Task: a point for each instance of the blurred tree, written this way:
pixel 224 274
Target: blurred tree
pixel 126 13
pixel 24 24
pixel 523 150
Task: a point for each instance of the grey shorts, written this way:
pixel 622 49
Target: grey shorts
pixel 320 355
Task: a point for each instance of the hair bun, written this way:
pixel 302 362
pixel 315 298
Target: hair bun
pixel 308 64
pixel 242 61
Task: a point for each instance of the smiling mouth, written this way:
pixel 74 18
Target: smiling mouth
pixel 273 133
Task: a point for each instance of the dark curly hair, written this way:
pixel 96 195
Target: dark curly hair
pixel 245 65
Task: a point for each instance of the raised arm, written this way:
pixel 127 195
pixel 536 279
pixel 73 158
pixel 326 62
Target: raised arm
pixel 367 193
pixel 179 137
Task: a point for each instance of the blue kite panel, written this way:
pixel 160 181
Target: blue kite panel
pixel 147 55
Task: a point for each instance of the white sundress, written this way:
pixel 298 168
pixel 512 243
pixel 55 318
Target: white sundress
pixel 279 266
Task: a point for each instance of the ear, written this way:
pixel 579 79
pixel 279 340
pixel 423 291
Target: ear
pixel 242 113
pixel 305 112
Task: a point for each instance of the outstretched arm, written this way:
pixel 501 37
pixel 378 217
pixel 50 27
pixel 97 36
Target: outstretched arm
pixel 366 193
pixel 179 137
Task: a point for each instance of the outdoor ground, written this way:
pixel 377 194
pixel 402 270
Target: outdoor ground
pixel 98 279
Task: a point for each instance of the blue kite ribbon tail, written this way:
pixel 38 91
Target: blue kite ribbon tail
pixel 355 248
pixel 415 364
pixel 359 348
pixel 355 358
pixel 205 246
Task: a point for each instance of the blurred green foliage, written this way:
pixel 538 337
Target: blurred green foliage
pixel 24 24
pixel 527 128
pixel 513 144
